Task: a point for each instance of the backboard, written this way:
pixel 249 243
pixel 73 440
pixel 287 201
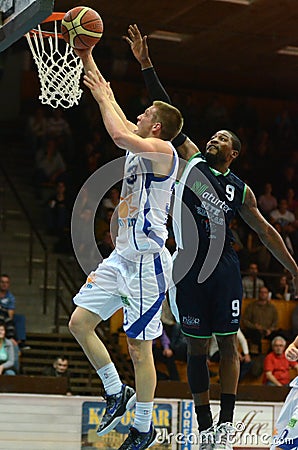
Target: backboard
pixel 17 17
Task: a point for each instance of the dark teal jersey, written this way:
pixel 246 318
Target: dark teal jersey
pixel 213 199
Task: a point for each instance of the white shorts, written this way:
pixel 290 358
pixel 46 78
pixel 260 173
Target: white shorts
pixel 286 436
pixel 137 285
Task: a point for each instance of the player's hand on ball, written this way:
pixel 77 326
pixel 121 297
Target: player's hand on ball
pixel 83 54
pixel 292 353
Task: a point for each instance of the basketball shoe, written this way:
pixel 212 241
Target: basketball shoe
pixel 207 439
pixel 224 436
pixel 116 407
pixel 139 441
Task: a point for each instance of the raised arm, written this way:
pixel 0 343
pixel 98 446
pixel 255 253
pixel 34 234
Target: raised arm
pixel 90 66
pixel 139 48
pixel 123 137
pixel 267 234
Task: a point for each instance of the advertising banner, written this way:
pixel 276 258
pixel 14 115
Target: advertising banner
pixel 164 418
pixel 253 425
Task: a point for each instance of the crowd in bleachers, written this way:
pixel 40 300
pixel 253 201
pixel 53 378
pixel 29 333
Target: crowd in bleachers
pixel 66 147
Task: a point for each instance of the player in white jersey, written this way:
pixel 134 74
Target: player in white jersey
pixel 286 436
pixel 136 275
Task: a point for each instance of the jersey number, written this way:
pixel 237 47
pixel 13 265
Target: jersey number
pixel 230 192
pixel 235 308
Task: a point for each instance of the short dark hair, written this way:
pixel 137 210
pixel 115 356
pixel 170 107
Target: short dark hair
pixel 4 275
pixel 236 141
pixel 63 357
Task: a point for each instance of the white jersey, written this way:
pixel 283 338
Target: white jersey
pixel 286 436
pixel 144 206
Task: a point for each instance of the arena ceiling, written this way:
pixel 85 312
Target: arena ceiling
pixel 227 45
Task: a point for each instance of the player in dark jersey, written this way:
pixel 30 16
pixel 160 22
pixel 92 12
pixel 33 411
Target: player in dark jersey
pixel 206 270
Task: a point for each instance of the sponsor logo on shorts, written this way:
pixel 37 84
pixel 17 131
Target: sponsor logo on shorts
pixel 234 321
pixel 125 300
pixel 191 322
pixel 292 422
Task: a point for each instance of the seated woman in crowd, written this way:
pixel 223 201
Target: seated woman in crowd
pixel 7 353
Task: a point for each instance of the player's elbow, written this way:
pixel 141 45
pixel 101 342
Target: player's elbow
pixel 119 139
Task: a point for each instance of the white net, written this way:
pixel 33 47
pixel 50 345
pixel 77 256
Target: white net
pixel 59 73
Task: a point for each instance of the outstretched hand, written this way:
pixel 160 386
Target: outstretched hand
pixel 138 45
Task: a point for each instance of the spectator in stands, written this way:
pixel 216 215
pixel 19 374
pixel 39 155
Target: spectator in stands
pixel 58 210
pixel 259 319
pixel 103 224
pixel 173 330
pixel 178 342
pixel 252 283
pixel 283 216
pixel 258 253
pixel 15 323
pixel 289 179
pixel 112 199
pixel 59 128
pixel 50 166
pixel 276 366
pixel 266 201
pixel 36 129
pixel 284 289
pixel 292 201
pixel 8 355
pixel 59 368
pixel 163 352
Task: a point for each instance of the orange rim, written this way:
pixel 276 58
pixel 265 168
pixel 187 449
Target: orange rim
pixel 55 16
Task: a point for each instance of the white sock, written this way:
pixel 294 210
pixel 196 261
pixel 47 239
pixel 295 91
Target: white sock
pixel 143 416
pixel 110 379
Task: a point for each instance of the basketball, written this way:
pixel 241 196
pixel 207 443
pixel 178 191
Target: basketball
pixel 82 27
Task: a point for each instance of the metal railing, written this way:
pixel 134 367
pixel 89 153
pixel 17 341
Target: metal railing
pixel 34 234
pixel 64 281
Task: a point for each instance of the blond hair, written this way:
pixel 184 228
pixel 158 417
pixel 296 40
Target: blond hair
pixel 170 118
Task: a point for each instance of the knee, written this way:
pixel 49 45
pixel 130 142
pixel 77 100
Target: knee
pixel 228 346
pixel 76 324
pixel 134 351
pixel 197 346
pixel 139 351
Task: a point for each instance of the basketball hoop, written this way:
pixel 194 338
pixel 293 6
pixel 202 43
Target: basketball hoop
pixel 59 73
